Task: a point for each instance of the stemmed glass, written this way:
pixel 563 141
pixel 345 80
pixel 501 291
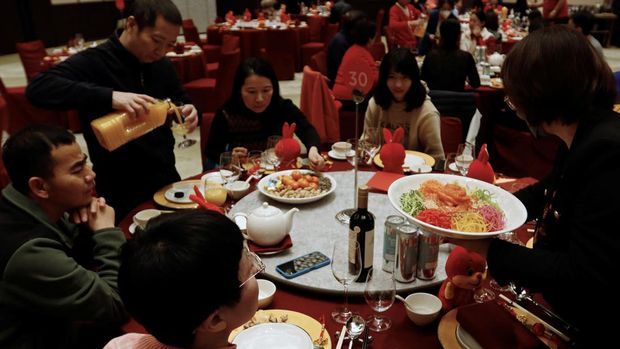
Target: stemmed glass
pixel 464 157
pixel 179 127
pixel 270 152
pixel 379 293
pixel 346 268
pixel 230 167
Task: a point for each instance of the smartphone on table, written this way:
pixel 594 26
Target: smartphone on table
pixel 302 265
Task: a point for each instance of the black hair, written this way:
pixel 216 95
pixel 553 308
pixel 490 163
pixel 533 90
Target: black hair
pixel 146 11
pixel 584 20
pixel 179 270
pixel 481 16
pixel 252 66
pixel 28 153
pixel 350 19
pixel 450 31
pixel 492 22
pixel 440 3
pixel 546 86
pixel 400 60
pixel 535 18
pixel 362 31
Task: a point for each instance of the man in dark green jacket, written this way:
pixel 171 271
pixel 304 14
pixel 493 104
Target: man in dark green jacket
pixel 59 249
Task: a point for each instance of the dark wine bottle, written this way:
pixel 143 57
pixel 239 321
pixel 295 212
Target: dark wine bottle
pixel 362 230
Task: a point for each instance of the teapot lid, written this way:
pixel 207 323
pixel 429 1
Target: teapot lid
pixel 266 211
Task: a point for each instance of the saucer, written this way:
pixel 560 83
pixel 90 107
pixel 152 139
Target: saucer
pixel 453 167
pixel 332 154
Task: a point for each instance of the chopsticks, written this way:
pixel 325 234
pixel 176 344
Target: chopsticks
pixel 365 344
pixel 343 332
pixel 534 317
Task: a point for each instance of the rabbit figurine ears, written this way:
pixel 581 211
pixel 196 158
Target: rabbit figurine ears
pixel 288 131
pixel 393 152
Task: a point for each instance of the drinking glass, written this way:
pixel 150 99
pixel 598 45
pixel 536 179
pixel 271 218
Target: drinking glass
pixel 270 156
pixel 464 157
pixel 215 193
pixel 179 128
pixel 230 168
pixel 450 164
pixel 369 144
pixel 346 268
pixel 379 293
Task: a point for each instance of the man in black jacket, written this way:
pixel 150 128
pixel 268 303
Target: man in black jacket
pixel 126 73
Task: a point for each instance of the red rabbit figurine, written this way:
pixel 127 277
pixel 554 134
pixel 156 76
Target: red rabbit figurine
pixel 480 168
pixel 288 148
pixel 393 152
pixel 247 15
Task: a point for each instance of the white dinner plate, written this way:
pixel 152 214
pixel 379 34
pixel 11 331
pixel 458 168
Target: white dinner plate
pixel 465 339
pixel 185 189
pixel 271 179
pixel 514 211
pixel 273 336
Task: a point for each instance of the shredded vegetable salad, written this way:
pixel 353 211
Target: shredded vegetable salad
pixel 450 206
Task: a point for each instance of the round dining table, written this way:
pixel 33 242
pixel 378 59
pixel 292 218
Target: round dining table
pixel 317 293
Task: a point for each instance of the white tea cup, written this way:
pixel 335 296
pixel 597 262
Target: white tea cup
pixel 142 217
pixel 341 148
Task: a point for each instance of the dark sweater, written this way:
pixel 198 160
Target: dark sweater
pixel 130 174
pixel 576 256
pixel 336 49
pixel 447 70
pixel 251 130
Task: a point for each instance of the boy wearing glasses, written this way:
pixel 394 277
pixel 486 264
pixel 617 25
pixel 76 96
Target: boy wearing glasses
pixel 189 280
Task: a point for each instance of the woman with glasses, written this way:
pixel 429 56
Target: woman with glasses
pixel 558 84
pixel 188 278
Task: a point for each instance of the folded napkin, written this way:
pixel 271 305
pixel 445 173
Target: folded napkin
pixel 382 180
pixel 493 327
pixel 283 245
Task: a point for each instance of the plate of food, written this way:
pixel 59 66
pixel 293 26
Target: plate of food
pixel 277 328
pixel 297 186
pixel 413 159
pixel 455 206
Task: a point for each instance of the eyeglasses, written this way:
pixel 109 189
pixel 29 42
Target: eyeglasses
pixel 256 265
pixel 509 103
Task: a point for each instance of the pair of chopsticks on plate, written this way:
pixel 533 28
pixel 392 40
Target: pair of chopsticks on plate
pixel 535 318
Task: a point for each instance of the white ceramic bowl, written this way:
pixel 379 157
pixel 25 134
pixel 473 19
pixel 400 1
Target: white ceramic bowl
pixel 266 291
pixel 425 306
pixel 237 189
pixel 514 210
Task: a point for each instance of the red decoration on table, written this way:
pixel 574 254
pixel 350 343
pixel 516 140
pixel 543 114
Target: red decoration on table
pixel 230 18
pixel 120 4
pixel 288 148
pixel 480 168
pixel 393 152
pixel 286 243
pixel 247 15
pixel 284 18
pixel 382 180
pixel 464 271
pixel 198 198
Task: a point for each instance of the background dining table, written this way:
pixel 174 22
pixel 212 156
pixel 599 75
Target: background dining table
pixel 403 333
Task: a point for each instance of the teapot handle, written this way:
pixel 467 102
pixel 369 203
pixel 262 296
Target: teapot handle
pixel 243 224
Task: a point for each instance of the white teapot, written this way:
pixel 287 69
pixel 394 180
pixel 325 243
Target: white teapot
pixel 496 59
pixel 267 225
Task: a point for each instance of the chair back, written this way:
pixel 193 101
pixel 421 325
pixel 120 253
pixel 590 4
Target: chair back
pixel 229 61
pixel 451 134
pixel 315 24
pixel 331 29
pixel 188 22
pixel 205 129
pixel 190 33
pixel 518 154
pixel 319 106
pixel 229 43
pixel 318 62
pixel 458 104
pixel 31 54
pixel 277 50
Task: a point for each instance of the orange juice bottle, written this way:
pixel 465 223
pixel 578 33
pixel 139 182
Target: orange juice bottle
pixel 118 128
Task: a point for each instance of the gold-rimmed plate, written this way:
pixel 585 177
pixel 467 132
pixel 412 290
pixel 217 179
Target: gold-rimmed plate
pixel 160 196
pixel 412 158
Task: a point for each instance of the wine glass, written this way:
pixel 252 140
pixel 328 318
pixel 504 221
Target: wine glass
pixel 379 293
pixel 464 157
pixel 346 268
pixel 270 155
pixel 369 144
pixel 179 127
pixel 230 168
